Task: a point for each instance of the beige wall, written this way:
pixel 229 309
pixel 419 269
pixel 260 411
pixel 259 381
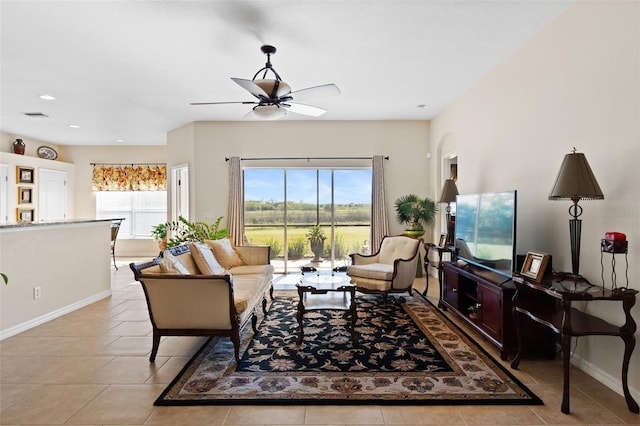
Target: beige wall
pixel 405 142
pixel 43 256
pixel 576 83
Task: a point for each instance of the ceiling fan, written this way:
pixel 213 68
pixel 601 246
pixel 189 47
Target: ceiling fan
pixel 274 96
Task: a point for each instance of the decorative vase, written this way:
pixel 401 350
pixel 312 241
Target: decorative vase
pixel 413 233
pixel 18 146
pixel 316 247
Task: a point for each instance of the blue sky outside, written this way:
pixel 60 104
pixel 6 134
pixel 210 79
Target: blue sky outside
pixel 350 186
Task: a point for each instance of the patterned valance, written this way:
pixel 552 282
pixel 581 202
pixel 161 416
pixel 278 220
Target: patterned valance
pixel 129 177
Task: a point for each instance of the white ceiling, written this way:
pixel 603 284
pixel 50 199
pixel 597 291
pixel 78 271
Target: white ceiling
pixel 127 70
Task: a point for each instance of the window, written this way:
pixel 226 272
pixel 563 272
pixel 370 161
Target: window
pixel 141 209
pixel 281 205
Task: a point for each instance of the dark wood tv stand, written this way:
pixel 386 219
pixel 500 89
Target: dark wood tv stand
pixel 465 285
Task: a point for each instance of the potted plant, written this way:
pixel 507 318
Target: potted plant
pixel 316 237
pixel 159 234
pixel 186 231
pixel 415 212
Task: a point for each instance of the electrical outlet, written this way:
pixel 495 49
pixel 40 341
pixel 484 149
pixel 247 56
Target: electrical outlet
pixel 37 293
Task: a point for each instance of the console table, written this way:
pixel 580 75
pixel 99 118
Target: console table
pixel 549 303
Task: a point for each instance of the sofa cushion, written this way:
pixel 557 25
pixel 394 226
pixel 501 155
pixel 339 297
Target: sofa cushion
pixel 248 291
pixel 171 265
pixel 376 271
pixel 204 258
pixel 266 270
pixel 225 253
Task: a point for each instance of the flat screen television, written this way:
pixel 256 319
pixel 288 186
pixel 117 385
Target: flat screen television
pixel 485 232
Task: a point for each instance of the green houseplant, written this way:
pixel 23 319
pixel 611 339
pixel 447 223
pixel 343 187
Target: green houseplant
pixel 186 231
pixel 159 233
pixel 316 237
pixel 415 212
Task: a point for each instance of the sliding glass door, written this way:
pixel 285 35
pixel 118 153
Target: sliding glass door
pixel 282 206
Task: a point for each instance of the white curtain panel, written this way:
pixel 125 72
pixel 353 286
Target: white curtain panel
pixel 379 223
pixel 235 217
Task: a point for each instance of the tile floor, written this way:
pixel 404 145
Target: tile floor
pixel 90 367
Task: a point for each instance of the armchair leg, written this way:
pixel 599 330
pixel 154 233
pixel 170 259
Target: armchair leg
pixel 235 338
pixel 254 322
pixel 154 347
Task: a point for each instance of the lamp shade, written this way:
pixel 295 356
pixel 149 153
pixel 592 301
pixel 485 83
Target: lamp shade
pixel 575 180
pixel 449 192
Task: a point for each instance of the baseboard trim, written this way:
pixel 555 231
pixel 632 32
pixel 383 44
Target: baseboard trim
pixel 17 329
pixel 613 383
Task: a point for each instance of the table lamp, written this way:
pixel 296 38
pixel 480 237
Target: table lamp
pixel 448 195
pixel 575 182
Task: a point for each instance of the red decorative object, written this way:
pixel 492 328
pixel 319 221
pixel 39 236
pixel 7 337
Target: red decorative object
pixel 614 242
pixel 19 146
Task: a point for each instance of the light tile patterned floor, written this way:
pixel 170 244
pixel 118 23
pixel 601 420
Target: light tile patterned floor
pixel 91 368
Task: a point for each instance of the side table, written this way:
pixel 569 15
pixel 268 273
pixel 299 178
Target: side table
pixel 550 303
pixel 440 250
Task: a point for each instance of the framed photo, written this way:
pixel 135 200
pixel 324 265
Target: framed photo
pixel 534 265
pixel 25 215
pixel 443 240
pixel 25 195
pixel 25 175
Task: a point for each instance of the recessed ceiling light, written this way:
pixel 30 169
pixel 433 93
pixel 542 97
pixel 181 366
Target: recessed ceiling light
pixel 47 97
pixel 74 126
pixel 120 140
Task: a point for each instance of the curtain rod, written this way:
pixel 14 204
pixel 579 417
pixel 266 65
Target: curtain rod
pixel 128 164
pixel 305 158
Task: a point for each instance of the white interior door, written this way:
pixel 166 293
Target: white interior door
pixel 4 193
pixel 52 195
pixel 180 192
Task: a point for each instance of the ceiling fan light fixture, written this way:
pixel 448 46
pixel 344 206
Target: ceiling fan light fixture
pixel 269 112
pixel 268 86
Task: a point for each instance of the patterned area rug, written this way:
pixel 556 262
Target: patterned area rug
pixel 408 353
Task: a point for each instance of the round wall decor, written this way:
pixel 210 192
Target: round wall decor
pixel 47 153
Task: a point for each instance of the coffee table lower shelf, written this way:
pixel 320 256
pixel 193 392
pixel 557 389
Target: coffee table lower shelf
pixel 327 294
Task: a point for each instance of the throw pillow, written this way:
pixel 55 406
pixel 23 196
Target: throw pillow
pixel 171 264
pixel 225 253
pixel 206 262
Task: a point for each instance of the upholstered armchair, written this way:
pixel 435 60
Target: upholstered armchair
pixel 391 270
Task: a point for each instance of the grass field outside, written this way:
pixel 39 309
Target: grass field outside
pixel 348 239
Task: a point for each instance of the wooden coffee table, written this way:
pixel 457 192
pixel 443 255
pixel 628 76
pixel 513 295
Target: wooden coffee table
pixel 320 290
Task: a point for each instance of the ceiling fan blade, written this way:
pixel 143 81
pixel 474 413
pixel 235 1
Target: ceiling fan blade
pixel 303 109
pixel 222 103
pixel 251 87
pixel 316 92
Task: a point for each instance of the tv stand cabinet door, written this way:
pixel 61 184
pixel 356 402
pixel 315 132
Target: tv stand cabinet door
pixel 490 312
pixel 450 289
